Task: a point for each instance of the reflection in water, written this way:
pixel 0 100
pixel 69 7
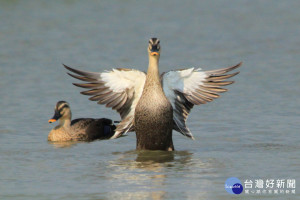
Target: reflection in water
pixel 67 144
pixel 155 174
pixel 155 156
pixel 150 160
pixel 154 161
pixel 151 171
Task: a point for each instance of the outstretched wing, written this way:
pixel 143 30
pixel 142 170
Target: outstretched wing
pixel 188 87
pixel 119 89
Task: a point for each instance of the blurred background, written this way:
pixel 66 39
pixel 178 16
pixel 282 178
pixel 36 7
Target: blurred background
pixel 251 132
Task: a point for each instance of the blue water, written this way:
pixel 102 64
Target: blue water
pixel 251 132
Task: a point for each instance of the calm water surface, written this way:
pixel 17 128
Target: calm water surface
pixel 251 132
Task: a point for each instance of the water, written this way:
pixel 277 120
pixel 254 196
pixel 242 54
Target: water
pixel 251 132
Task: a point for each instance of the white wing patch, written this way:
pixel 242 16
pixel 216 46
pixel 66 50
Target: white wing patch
pixel 120 80
pixel 182 81
pixel 189 87
pixel 119 89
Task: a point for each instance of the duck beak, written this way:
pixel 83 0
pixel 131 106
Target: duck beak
pixel 52 120
pixel 55 117
pixel 154 53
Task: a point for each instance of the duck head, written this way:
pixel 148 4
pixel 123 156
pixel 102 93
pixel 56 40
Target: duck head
pixel 62 111
pixel 154 47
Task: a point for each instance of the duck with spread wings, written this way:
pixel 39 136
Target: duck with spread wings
pixel 153 104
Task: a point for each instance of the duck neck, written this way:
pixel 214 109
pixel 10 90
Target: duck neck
pixel 153 72
pixel 65 121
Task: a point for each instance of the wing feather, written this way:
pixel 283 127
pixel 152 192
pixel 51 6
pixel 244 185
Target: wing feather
pixel 216 83
pixel 89 85
pixel 188 87
pixel 82 78
pixel 97 91
pixel 119 89
pixel 120 105
pixel 115 101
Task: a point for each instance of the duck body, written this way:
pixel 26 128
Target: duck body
pixel 152 128
pixel 60 134
pixel 82 129
pixel 153 121
pixel 153 118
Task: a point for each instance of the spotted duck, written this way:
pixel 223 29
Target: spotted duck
pixel 82 129
pixel 153 104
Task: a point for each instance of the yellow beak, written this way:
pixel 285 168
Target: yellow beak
pixel 154 53
pixel 52 120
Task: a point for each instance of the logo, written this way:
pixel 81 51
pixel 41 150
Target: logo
pixel 233 186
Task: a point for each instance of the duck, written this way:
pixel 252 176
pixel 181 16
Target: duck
pixel 82 129
pixel 153 104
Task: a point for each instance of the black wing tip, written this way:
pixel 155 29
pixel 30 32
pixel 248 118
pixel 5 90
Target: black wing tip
pixel 65 66
pixel 78 85
pixel 76 71
pixel 74 76
pixel 223 71
pixel 70 69
pixel 237 65
pixel 234 74
pixel 234 67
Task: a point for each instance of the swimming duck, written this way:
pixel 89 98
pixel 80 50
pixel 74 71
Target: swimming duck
pixel 82 129
pixel 151 104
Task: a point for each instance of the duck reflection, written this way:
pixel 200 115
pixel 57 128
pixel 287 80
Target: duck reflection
pixel 149 171
pixel 63 144
pixel 150 160
pixel 68 144
pixel 155 156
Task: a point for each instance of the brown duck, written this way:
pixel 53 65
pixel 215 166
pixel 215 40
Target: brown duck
pixel 83 129
pixel 153 104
